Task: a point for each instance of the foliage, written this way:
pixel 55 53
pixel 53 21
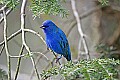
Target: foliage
pixel 104 2
pixel 3 75
pixel 10 3
pixel 48 7
pixel 96 69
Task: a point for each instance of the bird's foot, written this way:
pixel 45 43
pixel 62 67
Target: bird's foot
pixel 57 59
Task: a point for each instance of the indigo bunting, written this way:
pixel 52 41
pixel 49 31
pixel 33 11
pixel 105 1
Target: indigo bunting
pixel 56 39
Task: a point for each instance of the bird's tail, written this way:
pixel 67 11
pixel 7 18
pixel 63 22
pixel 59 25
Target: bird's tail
pixel 68 56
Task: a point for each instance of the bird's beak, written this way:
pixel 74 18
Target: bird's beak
pixel 42 27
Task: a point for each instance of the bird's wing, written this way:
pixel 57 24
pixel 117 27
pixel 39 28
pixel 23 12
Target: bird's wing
pixel 52 42
pixel 58 43
pixel 63 43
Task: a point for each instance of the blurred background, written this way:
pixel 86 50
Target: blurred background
pixel 100 25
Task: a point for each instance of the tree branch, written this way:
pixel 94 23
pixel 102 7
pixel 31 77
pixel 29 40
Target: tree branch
pixel 7 12
pixel 19 61
pixel 82 16
pixel 36 62
pixel 80 29
pixel 12 36
pixel 2 49
pixel 6 45
pixel 36 33
pixel 23 35
pixel 19 31
pixel 15 34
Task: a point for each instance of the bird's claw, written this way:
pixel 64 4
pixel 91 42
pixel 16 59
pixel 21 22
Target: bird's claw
pixel 57 59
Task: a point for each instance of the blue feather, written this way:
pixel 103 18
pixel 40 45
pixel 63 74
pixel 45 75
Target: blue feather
pixel 56 39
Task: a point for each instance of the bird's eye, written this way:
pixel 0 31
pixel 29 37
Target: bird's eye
pixel 42 27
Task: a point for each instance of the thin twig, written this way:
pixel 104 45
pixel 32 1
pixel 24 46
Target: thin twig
pixel 6 46
pixel 12 36
pixel 3 8
pixel 9 38
pixel 20 56
pixel 80 28
pixel 36 33
pixel 90 11
pixel 82 16
pixel 15 34
pixel 50 64
pixel 2 49
pixel 23 36
pixel 18 64
pixel 79 46
pixel 41 54
pixel 70 29
pixel 36 62
pixel 7 13
pixel 19 31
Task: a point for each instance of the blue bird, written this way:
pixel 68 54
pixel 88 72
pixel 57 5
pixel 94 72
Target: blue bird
pixel 56 39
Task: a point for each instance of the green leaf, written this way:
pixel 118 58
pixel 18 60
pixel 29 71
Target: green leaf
pixel 96 69
pixel 104 2
pixel 3 75
pixel 50 7
pixel 10 3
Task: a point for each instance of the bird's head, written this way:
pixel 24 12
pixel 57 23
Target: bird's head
pixel 48 25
